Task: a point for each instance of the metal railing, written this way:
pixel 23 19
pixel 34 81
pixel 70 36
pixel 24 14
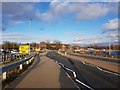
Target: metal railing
pixel 11 71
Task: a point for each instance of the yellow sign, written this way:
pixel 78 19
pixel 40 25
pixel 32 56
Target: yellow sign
pixel 37 49
pixel 24 49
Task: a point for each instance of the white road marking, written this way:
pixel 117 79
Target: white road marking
pixel 74 74
pixel 69 69
pixel 84 84
pixel 99 69
pixel 111 72
pixel 83 62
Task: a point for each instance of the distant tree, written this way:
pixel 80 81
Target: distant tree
pixel 33 44
pixel 7 45
pixel 58 44
pixel 48 45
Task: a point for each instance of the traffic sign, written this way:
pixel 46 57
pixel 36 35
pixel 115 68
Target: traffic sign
pixel 24 49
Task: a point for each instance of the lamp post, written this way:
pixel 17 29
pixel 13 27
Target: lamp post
pixel 108 41
pixel 109 45
pixel 30 21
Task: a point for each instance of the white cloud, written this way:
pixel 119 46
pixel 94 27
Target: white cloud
pixel 73 33
pixel 91 40
pixel 20 37
pixel 114 35
pixel 60 0
pixel 92 11
pixel 17 12
pixel 15 37
pixel 111 25
pixel 80 10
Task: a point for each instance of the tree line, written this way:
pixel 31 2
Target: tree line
pixel 56 45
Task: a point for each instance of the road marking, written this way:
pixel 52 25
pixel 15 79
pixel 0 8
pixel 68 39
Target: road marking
pixel 107 71
pixel 74 74
pixel 111 72
pixel 69 69
pixel 99 68
pixel 84 84
pixel 72 80
pixel 83 62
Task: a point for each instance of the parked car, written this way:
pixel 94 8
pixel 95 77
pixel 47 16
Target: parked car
pixel 14 52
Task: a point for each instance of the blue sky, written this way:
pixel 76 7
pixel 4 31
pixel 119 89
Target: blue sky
pixel 69 22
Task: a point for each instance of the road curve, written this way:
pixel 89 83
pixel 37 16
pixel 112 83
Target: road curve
pixel 44 73
pixel 90 75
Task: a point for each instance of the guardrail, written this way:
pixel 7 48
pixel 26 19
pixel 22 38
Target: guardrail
pixel 10 71
pixel 14 65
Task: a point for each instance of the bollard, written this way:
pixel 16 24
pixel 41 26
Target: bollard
pixel 4 75
pixel 20 67
pixel 30 60
pixel 27 62
pixel 65 53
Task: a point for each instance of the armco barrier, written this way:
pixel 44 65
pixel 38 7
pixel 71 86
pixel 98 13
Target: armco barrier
pixel 14 65
pixel 11 71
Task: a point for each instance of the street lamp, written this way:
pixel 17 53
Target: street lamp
pixel 30 21
pixel 108 41
pixel 109 45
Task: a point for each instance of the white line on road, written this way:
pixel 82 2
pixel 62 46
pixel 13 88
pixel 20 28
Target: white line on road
pixel 83 62
pixel 69 69
pixel 99 69
pixel 111 72
pixel 84 84
pixel 107 71
pixel 74 74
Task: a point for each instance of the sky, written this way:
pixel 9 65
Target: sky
pixel 69 22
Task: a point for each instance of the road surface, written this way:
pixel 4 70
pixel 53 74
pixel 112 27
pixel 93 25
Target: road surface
pixel 44 73
pixel 90 75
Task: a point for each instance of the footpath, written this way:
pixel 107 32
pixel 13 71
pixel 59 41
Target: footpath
pixel 43 74
pixel 99 63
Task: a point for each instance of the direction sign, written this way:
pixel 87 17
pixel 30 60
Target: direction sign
pixel 24 49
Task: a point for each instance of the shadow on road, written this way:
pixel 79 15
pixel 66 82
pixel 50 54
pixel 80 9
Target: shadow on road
pixel 65 81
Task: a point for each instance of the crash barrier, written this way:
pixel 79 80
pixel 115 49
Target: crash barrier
pixel 11 71
pixel 73 75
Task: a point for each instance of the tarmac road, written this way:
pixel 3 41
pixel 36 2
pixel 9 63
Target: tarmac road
pixel 44 73
pixel 90 75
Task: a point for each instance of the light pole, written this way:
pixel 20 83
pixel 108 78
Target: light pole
pixel 109 44
pixel 30 21
pixel 108 41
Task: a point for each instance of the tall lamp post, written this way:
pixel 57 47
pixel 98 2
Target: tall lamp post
pixel 109 42
pixel 30 21
pixel 109 45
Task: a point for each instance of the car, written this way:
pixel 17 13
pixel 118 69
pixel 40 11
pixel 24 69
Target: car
pixel 14 52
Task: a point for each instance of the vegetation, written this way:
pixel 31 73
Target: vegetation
pixel 56 45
